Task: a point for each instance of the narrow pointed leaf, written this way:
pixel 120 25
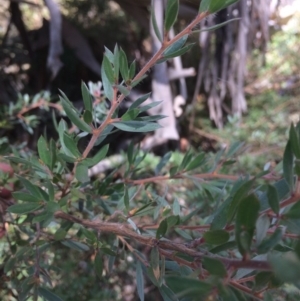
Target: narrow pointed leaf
pixel 140 281
pixel 98 264
pixel 48 295
pixel 107 86
pixel 288 163
pixel 136 126
pixel 213 6
pixel 87 98
pixel 273 198
pixel 124 65
pixel 81 172
pixel 155 26
pixel 24 208
pixel 107 66
pixel 72 114
pixel 171 13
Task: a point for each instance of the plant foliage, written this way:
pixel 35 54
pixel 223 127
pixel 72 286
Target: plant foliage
pixel 232 237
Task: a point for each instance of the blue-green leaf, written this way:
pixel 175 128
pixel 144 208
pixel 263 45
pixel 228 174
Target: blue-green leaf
pixel 136 126
pixel 24 208
pixel 212 6
pixel 87 98
pixel 73 116
pixel 171 13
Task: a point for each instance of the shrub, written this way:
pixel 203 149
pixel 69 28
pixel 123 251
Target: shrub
pixel 230 237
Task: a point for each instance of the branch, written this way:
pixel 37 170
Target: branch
pixel 123 230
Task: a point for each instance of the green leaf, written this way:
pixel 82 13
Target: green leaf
pixel 154 262
pixel 247 215
pixel 223 247
pixel 108 69
pixel 140 281
pixel 60 234
pixel 87 98
pixel 137 81
pixel 162 229
pixel 234 148
pixel 176 46
pixel 126 198
pixel 139 101
pixel 88 116
pixel 288 163
pixel 71 145
pixel 98 157
pixel 73 116
pixel 51 207
pixel 155 26
pixel 297 249
pixel 78 246
pixel 44 152
pixel 124 65
pixel 216 237
pixel 10 264
pixel 44 217
pixel 220 217
pixel 237 197
pixel 213 28
pixel 107 85
pixel 98 264
pixel 286 267
pixel 262 227
pixel 214 266
pixel 294 140
pixel 35 190
pixel 273 198
pixel 162 163
pixel 53 153
pixel 108 251
pixel 270 242
pixel 149 106
pixel 294 211
pixel 136 126
pixel 49 296
pixel 131 114
pixel 179 52
pixel 26 197
pixel 196 162
pixel 90 235
pixel 132 70
pixel 171 13
pixel 167 293
pixel 268 297
pixel 24 208
pixel 172 221
pixel 213 6
pixel 151 118
pixel 66 158
pixel 109 55
pixel 116 62
pixel 262 279
pixel 124 90
pixel 186 160
pixel 189 287
pixel 81 172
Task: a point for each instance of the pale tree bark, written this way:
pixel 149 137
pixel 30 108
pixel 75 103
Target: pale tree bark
pixel 55 46
pixel 161 90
